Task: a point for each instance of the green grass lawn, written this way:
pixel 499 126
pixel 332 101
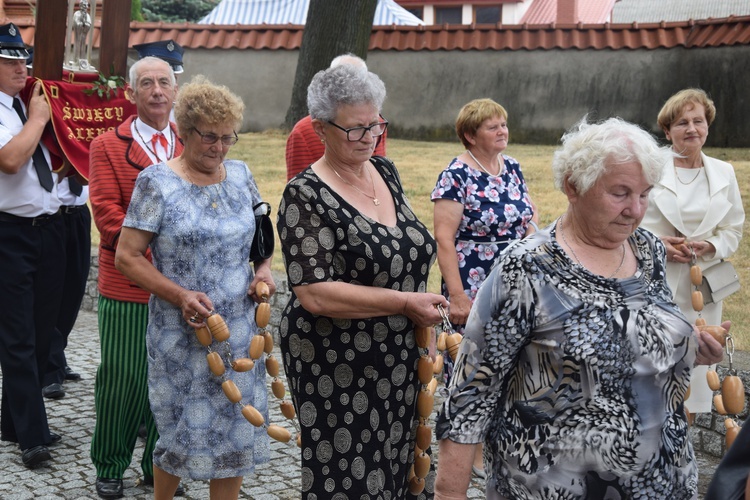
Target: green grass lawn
pixel 419 163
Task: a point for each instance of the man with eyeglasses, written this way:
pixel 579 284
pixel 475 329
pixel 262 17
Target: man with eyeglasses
pixel 116 159
pixel 304 147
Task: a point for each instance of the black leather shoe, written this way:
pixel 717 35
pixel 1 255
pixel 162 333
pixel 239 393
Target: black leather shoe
pixel 32 457
pixel 53 438
pixel 71 375
pixel 53 391
pixel 108 488
pixel 179 492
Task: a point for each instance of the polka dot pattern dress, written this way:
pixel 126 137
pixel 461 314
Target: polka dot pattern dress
pixel 354 382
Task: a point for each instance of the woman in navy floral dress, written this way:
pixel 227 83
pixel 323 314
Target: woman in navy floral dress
pixel 481 205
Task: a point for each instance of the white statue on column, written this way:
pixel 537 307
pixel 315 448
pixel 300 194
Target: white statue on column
pixel 81 27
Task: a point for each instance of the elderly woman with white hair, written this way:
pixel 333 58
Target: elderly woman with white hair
pixel 357 261
pixel 575 359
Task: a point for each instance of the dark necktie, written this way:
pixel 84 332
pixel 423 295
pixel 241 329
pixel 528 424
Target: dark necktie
pixel 40 162
pixel 75 186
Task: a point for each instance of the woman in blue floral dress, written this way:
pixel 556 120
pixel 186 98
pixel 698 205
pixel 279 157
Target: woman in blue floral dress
pixel 195 214
pixel 482 204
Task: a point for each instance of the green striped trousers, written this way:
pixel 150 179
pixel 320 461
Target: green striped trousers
pixel 121 390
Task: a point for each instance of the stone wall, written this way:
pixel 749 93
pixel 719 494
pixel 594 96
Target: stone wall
pixel 707 430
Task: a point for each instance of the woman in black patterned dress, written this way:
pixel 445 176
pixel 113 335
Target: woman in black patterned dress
pixel 575 360
pixel 357 260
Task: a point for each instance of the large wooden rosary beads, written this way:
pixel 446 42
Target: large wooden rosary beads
pixel 216 329
pixel 426 396
pixel 731 399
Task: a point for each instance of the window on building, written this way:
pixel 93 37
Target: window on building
pixel 417 11
pixel 447 15
pixel 487 15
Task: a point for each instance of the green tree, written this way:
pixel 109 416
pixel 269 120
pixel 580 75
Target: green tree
pixel 177 11
pixel 135 11
pixel 331 29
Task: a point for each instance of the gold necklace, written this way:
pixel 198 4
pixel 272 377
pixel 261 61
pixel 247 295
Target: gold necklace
pixel 562 233
pixel 375 201
pixel 222 176
pixel 482 166
pixel 677 174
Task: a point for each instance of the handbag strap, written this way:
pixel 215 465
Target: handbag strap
pixel 267 208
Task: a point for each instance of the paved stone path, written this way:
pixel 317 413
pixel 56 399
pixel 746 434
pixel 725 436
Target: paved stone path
pixel 70 474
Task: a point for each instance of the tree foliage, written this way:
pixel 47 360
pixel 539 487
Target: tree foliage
pixel 135 11
pixel 176 11
pixel 331 29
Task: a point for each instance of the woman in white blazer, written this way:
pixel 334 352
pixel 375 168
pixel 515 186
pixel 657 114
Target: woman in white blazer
pixel 694 208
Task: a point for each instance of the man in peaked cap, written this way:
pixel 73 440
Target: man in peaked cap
pixel 167 50
pixel 32 234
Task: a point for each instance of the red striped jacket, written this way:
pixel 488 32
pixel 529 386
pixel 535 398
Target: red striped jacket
pixel 115 160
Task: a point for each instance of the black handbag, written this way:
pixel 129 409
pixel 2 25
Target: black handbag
pixel 263 239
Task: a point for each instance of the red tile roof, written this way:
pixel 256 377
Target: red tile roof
pixel 704 33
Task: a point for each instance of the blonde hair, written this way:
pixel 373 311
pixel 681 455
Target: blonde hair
pixel 201 101
pixel 675 106
pixel 473 114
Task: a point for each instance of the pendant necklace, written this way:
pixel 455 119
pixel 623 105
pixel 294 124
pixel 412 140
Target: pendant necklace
pixel 562 233
pixel 170 153
pixel 481 166
pixel 374 199
pixel 222 176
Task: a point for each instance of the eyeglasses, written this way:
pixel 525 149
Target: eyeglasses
pixel 226 140
pixel 355 134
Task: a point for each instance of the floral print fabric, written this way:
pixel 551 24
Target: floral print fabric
pixel 575 382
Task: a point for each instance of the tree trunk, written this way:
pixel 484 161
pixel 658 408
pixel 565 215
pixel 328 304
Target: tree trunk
pixel 331 29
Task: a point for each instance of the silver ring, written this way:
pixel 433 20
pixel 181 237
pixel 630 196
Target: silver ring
pixel 194 318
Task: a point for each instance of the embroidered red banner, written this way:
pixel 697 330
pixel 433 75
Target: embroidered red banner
pixel 77 118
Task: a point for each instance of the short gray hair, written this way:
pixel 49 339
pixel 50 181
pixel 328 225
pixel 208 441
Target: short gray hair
pixel 134 70
pixel 588 149
pixel 340 86
pixel 348 58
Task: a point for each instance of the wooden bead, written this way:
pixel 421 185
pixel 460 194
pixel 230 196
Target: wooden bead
pixel 421 465
pixel 424 436
pixel 267 342
pixel 700 322
pixel 204 336
pixel 252 415
pixel 717 332
pixel 277 387
pixel 432 386
pixel 424 369
pixel 697 299
pixel 231 391
pixel 218 327
pixel 262 314
pixel 279 433
pixel 441 341
pixel 452 344
pixel 272 366
pixel 425 403
pixel 256 347
pixel 732 430
pixel 243 365
pixel 215 363
pixel 719 404
pixel 287 409
pixel 416 485
pixel 696 275
pixel 713 380
pixel 262 290
pixel 422 334
pixel 733 394
pixel 437 366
